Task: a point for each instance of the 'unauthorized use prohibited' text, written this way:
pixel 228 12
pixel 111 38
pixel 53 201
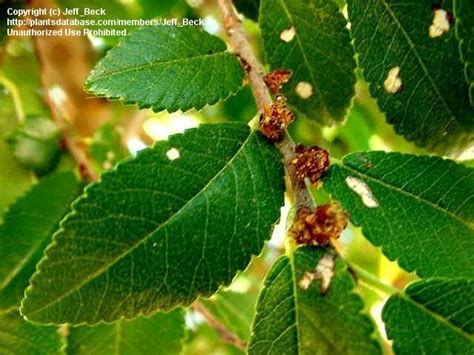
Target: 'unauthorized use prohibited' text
pixel 79 22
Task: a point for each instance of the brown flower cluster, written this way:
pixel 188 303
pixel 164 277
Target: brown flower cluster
pixel 311 163
pixel 275 79
pixel 318 227
pixel 275 118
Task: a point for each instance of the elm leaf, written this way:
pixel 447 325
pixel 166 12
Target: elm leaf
pixel 18 337
pixel 310 38
pixel 432 317
pixel 167 68
pixel 27 229
pixel 419 209
pixel 160 334
pixel 159 230
pixel 410 57
pixel 295 317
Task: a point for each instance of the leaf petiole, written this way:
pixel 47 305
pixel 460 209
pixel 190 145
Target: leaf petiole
pixel 372 281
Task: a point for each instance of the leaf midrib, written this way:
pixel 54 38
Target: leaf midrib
pixel 295 294
pixel 142 240
pixel 409 194
pixel 327 339
pixel 152 64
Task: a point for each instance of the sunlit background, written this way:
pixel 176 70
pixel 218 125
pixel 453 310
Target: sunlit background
pixel 111 132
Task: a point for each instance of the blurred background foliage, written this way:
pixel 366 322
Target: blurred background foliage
pixel 56 68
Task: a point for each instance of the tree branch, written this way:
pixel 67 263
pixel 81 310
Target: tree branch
pixel 73 145
pixel 224 333
pixel 241 46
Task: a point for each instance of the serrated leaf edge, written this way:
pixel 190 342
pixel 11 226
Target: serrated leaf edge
pixel 184 108
pixel 352 292
pixel 400 260
pixel 6 218
pixel 404 296
pixel 84 196
pixel 455 143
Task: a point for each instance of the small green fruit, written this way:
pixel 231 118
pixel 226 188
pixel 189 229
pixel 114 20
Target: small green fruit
pixel 35 144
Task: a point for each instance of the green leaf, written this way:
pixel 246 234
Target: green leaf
pixel 20 86
pixel 114 10
pixel 464 20
pixel 430 105
pixel 296 319
pixel 419 209
pixel 432 317
pixel 14 180
pixel 35 144
pixel 106 147
pixel 160 334
pixel 240 107
pixel 18 337
pixel 26 231
pixel 125 11
pixel 167 68
pixel 156 233
pixel 318 52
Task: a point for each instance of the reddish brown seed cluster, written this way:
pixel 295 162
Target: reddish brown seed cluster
pixel 276 79
pixel 311 163
pixel 317 227
pixel 275 118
